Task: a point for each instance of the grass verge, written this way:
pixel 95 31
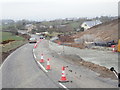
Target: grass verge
pixel 7 48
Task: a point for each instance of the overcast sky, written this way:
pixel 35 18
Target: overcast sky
pixel 54 9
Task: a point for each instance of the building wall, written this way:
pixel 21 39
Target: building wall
pixel 85 26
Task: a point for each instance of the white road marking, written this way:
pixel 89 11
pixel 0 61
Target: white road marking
pixel 63 85
pixel 2 65
pixel 33 50
pixel 42 66
pixel 34 56
pixel 39 62
pixel 115 74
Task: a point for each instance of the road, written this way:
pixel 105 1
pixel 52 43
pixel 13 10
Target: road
pixel 81 77
pixel 20 70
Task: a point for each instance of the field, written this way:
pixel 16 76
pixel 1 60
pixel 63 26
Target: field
pixel 10 45
pixel 9 36
pixel 7 48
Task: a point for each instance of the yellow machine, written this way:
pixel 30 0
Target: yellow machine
pixel 119 45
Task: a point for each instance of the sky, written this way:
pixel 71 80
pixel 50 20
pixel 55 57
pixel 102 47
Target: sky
pixel 56 9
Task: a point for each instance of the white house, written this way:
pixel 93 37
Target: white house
pixel 88 24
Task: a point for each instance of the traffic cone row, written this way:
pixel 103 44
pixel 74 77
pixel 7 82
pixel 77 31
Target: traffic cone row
pixel 42 59
pixel 48 67
pixel 35 46
pixel 39 40
pixel 63 78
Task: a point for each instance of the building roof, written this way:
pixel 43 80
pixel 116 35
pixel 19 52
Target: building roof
pixel 93 23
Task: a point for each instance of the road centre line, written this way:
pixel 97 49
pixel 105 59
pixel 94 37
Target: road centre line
pixel 42 66
pixel 63 86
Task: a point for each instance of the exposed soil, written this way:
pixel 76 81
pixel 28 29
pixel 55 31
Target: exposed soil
pixel 25 36
pixel 103 71
pixel 71 44
pixel 7 41
pixel 5 54
pixel 106 32
pixel 66 38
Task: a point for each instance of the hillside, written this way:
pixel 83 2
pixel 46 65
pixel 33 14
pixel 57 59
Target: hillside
pixel 104 32
pixel 71 25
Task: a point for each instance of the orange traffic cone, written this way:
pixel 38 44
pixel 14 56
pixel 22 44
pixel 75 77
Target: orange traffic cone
pixel 113 46
pixel 35 46
pixel 40 40
pixel 63 78
pixel 41 60
pixel 48 65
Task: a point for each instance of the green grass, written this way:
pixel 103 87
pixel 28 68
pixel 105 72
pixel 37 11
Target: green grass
pixel 75 24
pixel 12 45
pixel 1 27
pixel 9 36
pixel 54 34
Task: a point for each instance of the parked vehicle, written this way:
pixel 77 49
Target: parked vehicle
pixel 32 40
pixel 42 37
pixel 105 44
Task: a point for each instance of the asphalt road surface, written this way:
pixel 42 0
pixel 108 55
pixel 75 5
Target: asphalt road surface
pixel 22 70
pixel 79 77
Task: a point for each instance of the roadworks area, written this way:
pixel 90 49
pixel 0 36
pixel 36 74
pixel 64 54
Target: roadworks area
pixel 77 60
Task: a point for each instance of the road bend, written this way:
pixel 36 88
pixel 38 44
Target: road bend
pixel 21 71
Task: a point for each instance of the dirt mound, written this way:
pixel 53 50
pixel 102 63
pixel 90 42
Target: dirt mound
pixel 103 71
pixel 7 41
pixel 66 38
pixel 104 32
pixel 26 36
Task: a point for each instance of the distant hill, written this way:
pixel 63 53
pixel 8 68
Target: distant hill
pixel 7 21
pixel 73 24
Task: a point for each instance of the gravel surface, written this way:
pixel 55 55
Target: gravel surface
pixel 107 59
